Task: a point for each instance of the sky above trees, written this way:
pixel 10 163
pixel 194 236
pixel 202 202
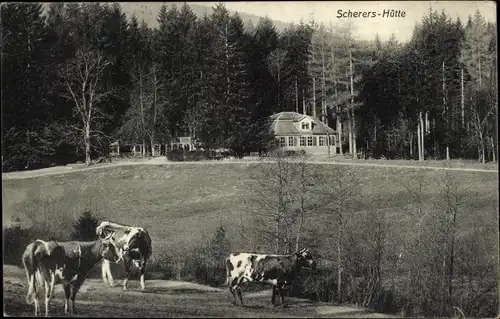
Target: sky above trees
pixel 365 28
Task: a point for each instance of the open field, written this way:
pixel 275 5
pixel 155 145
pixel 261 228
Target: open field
pixel 164 298
pixel 180 203
pixel 195 197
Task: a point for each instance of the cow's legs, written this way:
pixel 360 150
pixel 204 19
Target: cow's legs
pixel 232 289
pixel 49 290
pixel 67 294
pixel 238 289
pixel 36 279
pixel 273 297
pixel 47 297
pixel 107 277
pixel 74 290
pixel 127 273
pixel 143 270
pixel 282 295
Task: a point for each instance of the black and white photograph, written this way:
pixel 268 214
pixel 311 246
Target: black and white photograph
pixel 314 159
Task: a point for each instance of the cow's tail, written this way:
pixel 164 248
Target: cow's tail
pixel 228 272
pixel 30 266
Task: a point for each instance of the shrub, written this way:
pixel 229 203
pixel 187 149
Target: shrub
pixel 196 155
pixel 84 227
pixel 15 241
pixel 176 155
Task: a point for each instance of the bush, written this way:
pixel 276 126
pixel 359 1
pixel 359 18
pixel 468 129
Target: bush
pixel 15 241
pixel 203 264
pixel 176 155
pixel 196 155
pixel 84 227
pixel 318 286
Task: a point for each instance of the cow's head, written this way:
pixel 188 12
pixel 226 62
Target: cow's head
pixel 102 231
pixel 305 259
pixel 109 250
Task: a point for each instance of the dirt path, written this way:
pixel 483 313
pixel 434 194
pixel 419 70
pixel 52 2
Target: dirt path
pixel 165 298
pixel 162 161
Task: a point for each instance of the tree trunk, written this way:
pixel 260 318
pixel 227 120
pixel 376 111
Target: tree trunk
pixel 493 150
pixel 296 96
pixel 339 125
pixel 483 151
pixel 427 125
pixel 419 142
pixel 411 144
pixel 354 137
pixel 304 111
pixel 155 111
pixel 323 84
pixel 87 143
pixel 422 136
pixel 462 101
pixel 481 146
pixel 352 127
pixel 349 130
pixel 314 98
pixel 447 153
pixel 339 118
pixel 299 231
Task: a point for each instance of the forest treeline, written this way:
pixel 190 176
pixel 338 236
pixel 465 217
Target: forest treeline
pixel 76 77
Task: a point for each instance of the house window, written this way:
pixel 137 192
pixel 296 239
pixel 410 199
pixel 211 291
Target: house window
pixel 309 141
pixel 291 141
pixel 315 141
pixel 174 147
pixel 305 126
pixel 282 142
pixel 302 141
pixel 321 141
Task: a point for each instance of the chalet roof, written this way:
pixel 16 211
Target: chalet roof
pixel 284 123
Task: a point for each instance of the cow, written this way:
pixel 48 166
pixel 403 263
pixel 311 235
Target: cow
pixel 134 245
pixel 277 270
pixel 68 263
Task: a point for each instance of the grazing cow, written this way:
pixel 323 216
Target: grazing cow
pixel 68 263
pixel 277 270
pixel 134 245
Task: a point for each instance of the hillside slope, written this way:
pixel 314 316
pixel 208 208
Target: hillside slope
pixel 182 205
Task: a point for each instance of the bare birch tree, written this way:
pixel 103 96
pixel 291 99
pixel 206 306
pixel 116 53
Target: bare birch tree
pixel 82 77
pixel 277 68
pixel 337 195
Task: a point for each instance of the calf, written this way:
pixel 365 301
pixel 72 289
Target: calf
pixel 67 263
pixel 134 245
pixel 277 270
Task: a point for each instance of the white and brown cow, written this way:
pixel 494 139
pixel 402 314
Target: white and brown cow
pixel 277 270
pixel 50 263
pixel 134 245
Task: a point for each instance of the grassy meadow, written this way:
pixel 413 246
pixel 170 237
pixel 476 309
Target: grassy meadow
pixel 181 205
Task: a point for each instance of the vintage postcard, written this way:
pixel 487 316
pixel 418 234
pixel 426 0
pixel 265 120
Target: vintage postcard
pixel 250 159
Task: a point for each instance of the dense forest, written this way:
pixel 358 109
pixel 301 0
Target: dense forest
pixel 76 77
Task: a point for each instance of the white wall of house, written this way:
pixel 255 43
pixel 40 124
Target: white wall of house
pixel 314 144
